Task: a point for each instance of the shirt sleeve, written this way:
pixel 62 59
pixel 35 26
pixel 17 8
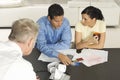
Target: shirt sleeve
pixel 102 27
pixel 78 27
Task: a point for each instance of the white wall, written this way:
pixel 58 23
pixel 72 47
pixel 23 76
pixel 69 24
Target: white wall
pixel 112 38
pixel 118 2
pixel 4 34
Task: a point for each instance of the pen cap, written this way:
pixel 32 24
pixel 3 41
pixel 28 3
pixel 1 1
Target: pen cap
pixel 75 63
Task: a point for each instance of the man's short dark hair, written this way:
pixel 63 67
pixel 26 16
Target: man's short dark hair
pixel 55 10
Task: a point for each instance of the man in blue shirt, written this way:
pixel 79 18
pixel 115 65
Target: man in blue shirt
pixel 54 34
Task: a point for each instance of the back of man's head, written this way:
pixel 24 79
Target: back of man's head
pixel 55 10
pixel 22 30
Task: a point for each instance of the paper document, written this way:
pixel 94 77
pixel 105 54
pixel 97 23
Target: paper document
pixel 45 58
pixel 92 57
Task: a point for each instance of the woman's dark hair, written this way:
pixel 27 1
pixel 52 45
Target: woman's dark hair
pixel 93 12
pixel 55 10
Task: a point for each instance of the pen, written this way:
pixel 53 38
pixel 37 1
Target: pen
pixel 76 62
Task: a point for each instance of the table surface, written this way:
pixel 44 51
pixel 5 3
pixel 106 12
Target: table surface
pixel 105 71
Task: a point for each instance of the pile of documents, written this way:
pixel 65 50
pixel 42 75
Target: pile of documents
pixel 88 57
pixel 92 57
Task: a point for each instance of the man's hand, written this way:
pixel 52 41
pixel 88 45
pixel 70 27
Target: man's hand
pixel 64 59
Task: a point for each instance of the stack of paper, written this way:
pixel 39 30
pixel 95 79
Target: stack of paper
pixel 92 57
pixel 45 58
pixel 89 57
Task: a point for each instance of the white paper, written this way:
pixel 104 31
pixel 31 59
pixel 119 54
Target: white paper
pixel 57 70
pixel 45 58
pixel 92 57
pixel 58 74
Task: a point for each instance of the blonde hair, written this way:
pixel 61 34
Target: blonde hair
pixel 23 29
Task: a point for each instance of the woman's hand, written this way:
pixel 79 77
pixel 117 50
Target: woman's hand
pixel 92 40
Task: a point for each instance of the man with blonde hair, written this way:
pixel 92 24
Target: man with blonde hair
pixel 21 42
